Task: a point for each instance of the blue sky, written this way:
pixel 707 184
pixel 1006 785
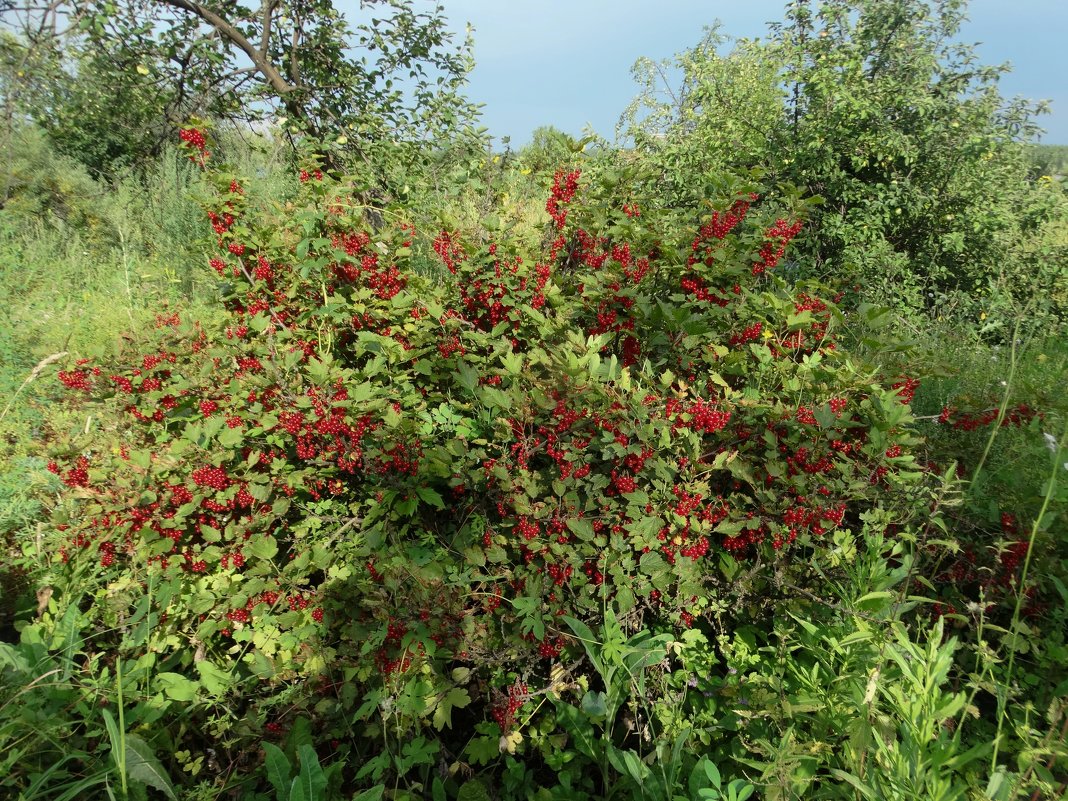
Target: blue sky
pixel 567 62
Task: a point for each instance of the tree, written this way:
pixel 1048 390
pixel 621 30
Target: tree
pixel 873 106
pixel 906 137
pixel 394 77
pixel 703 112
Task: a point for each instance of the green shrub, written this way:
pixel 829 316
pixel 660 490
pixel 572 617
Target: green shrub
pixel 369 498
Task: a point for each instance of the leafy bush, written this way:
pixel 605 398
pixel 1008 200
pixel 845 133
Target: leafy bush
pixel 369 498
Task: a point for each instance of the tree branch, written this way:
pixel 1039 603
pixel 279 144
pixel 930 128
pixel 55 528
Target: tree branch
pixel 268 13
pixel 265 67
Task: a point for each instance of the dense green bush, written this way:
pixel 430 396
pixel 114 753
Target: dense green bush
pixel 379 500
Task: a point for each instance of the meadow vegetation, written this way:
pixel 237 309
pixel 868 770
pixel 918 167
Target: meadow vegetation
pixel 345 456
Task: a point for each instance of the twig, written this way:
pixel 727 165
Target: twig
pixel 36 371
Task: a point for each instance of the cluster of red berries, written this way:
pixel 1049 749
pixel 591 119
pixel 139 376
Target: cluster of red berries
pixel 906 389
pixel 449 251
pixel 698 289
pixel 750 334
pixel 365 267
pixel 527 529
pixel 1018 416
pixel 563 192
pixel 774 247
pixel 717 228
pixel 220 223
pixel 212 477
pixel 77 476
pixel 77 379
pixel 702 416
pixel 238 616
pixel 504 711
pixel 195 139
pixel 551 648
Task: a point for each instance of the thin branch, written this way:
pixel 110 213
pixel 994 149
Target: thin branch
pixel 265 67
pixel 268 13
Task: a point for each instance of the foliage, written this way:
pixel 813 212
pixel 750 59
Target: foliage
pixel 703 113
pixel 549 150
pixel 395 490
pixel 123 77
pixel 1048 160
pixel 474 495
pixel 873 107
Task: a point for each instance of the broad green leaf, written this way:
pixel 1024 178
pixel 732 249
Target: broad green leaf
pixel 456 698
pixel 215 680
pixel 430 496
pixel 142 766
pixel 277 770
pixel 263 547
pixel 177 687
pixel 310 783
pixel 373 794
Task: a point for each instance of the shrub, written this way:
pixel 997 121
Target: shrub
pixel 375 501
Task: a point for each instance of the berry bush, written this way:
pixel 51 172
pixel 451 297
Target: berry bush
pixel 373 503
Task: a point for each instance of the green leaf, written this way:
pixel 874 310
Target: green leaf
pixel 265 547
pixel 874 600
pixel 653 564
pixel 997 788
pixel 142 766
pixel 628 763
pixel 231 437
pixel 373 794
pixel 698 778
pixel 113 734
pixel 595 704
pixel 473 790
pixel 589 641
pixel 484 750
pixel 582 528
pixel 310 783
pixel 215 680
pixel 277 770
pixel 456 698
pixel 177 687
pixel 712 773
pixel 625 599
pixel 430 496
pixel 849 778
pixel 513 362
pixel 467 377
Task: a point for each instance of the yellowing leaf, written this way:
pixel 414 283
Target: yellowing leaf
pixel 559 679
pixel 509 742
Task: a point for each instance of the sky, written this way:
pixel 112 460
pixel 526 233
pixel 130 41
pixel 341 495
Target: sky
pixel 567 62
